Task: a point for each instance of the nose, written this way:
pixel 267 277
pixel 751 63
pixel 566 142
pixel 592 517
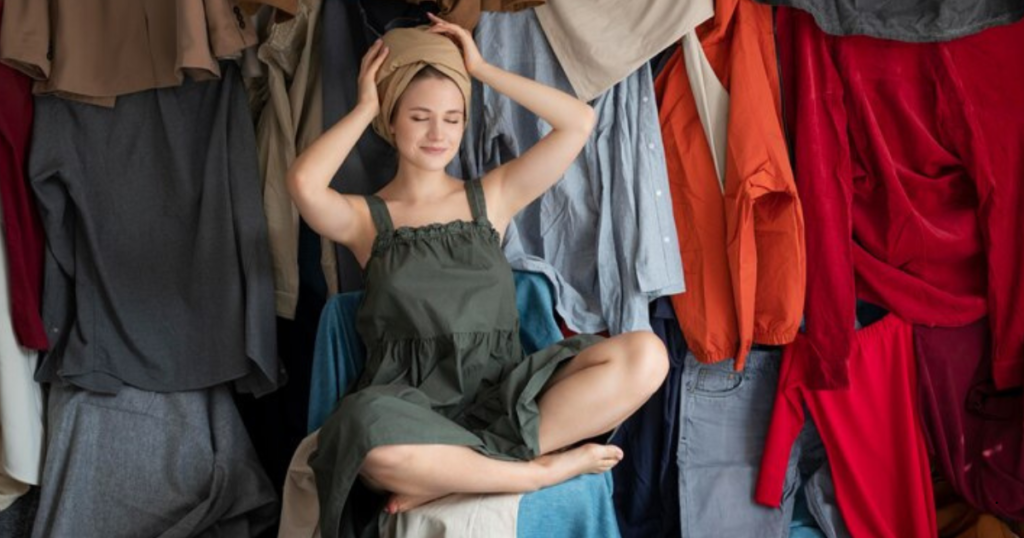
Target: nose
pixel 434 133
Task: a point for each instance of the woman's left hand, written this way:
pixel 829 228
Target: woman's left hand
pixel 463 38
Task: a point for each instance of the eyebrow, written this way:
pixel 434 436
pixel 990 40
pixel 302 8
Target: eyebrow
pixel 424 109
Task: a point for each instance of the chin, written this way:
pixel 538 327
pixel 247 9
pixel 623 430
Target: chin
pixel 433 162
pixel 433 165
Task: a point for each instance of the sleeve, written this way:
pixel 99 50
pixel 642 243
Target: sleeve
pixel 816 116
pixel 992 147
pixel 23 232
pixel 251 240
pixel 786 423
pixel 763 214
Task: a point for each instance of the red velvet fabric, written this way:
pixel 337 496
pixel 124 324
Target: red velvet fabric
pixel 909 161
pixel 23 233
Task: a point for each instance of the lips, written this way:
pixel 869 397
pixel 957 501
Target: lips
pixel 434 151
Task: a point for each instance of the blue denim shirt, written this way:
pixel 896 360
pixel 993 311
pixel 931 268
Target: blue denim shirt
pixel 604 235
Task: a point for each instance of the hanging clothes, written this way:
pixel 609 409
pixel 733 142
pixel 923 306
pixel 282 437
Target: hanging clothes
pixel 372 162
pixel 742 239
pixel 150 464
pixel 988 70
pixel 21 405
pixel 909 172
pixel 647 479
pixel 466 13
pixel 723 423
pixel 957 519
pixel 597 42
pixel 914 21
pixel 871 432
pixel 975 433
pixel 96 50
pixel 604 234
pixel 157 271
pixel 291 122
pixel 22 230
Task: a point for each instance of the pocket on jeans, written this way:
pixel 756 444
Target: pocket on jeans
pixel 716 382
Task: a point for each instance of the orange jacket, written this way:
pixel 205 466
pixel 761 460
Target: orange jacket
pixel 743 251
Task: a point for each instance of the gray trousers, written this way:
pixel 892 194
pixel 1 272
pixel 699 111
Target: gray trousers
pixel 168 465
pixel 723 421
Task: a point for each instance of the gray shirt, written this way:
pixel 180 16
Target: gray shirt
pixel 605 234
pixel 158 271
pixel 907 20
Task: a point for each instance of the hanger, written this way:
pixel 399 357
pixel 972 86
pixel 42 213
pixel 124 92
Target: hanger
pixel 290 7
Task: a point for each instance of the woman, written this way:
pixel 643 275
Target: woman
pixel 449 403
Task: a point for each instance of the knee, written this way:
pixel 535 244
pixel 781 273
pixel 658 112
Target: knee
pixel 647 361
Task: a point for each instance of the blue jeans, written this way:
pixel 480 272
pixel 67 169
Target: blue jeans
pixel 723 420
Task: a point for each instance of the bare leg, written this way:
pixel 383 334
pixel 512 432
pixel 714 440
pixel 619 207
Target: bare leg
pixel 592 394
pixel 600 388
pixel 417 474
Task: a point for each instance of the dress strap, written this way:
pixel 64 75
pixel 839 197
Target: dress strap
pixel 475 193
pixel 380 214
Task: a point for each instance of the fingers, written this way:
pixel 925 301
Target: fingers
pixel 374 57
pixel 382 55
pixel 442 26
pixel 371 53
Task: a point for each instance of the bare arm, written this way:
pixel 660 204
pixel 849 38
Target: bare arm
pixel 515 184
pixel 328 212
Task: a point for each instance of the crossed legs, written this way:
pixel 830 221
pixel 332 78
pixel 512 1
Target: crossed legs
pixel 594 392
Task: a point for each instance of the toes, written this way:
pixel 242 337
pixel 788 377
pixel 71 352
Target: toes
pixel 608 452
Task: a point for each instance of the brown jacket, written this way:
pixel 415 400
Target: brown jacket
pixel 95 50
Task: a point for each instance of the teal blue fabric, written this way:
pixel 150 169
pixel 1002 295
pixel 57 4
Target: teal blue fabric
pixel 581 507
pixel 338 357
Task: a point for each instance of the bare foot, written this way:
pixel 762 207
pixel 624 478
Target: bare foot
pixel 403 503
pixel 590 458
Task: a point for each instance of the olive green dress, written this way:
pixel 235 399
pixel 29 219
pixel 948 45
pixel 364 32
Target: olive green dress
pixel 444 362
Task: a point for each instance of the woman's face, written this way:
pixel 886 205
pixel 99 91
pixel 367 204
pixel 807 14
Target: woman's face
pixel 429 122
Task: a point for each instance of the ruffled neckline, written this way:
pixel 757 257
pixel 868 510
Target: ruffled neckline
pixel 409 234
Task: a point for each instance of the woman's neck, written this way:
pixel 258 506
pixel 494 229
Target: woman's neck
pixel 414 186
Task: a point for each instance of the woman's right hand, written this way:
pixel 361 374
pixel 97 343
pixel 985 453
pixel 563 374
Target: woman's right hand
pixel 372 60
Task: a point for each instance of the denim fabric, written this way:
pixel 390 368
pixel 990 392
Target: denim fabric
pixel 723 421
pixel 803 524
pixel 605 234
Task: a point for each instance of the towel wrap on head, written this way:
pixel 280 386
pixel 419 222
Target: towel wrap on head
pixel 410 50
